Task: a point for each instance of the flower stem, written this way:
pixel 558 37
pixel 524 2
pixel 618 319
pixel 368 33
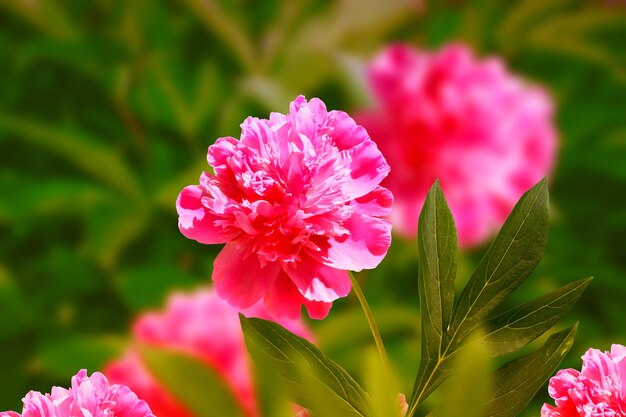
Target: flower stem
pixel 370 320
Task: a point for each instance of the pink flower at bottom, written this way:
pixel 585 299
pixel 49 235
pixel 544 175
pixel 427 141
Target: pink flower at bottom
pixel 598 390
pixel 297 201
pixel 88 397
pixel 205 327
pixel 484 133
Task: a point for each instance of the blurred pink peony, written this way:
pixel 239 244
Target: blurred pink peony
pixel 485 134
pixel 205 327
pixel 599 390
pixel 89 396
pixel 297 202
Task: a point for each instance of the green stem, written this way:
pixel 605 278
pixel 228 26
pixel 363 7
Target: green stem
pixel 370 320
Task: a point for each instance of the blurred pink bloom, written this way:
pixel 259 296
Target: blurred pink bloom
pixel 297 202
pixel 88 397
pixel 599 390
pixel 205 327
pixel 485 134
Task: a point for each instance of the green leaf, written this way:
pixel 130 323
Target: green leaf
pixel 437 246
pixel 518 327
pixel 518 381
pixel 300 364
pixel 269 386
pixel 508 262
pixel 381 387
pixel 77 148
pixel 469 388
pixel 64 357
pixel 195 385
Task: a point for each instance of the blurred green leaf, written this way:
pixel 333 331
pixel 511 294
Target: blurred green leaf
pixel 294 357
pixel 517 382
pixel 468 389
pixel 516 328
pixel 65 357
pixel 571 33
pixel 381 387
pixel 195 385
pixel 146 287
pixel 77 148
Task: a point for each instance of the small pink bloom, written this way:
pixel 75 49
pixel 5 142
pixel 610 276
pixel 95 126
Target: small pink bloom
pixel 88 397
pixel 486 135
pixel 598 390
pixel 201 325
pixel 296 200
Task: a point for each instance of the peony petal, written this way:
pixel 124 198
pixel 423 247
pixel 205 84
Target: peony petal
pixel 364 248
pixel 318 282
pixel 283 299
pixel 239 276
pixel 376 203
pixel 195 221
pixel 317 310
pixel 367 169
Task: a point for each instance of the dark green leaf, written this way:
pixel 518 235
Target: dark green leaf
pixel 437 245
pixel 518 327
pixel 294 357
pixel 195 385
pixel 518 381
pixel 508 262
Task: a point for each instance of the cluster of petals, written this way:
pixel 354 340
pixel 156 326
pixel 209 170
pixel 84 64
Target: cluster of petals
pixel 298 203
pixel 598 390
pixel 89 396
pixel 484 133
pixel 205 327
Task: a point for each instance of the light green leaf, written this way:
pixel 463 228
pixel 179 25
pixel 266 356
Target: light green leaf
pixel 294 357
pixel 518 381
pixel 469 388
pixel 381 387
pixel 511 258
pixel 195 385
pixel 518 327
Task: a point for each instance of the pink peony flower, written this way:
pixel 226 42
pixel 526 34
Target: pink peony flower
pixel 201 325
pixel 297 202
pixel 485 134
pixel 89 397
pixel 599 390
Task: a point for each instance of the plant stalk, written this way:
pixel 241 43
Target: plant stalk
pixel 370 320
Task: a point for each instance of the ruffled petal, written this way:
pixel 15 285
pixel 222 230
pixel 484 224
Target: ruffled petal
pixel 364 248
pixel 318 282
pixel 194 220
pixel 239 276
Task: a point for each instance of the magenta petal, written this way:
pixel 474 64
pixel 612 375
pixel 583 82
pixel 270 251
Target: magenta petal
pixel 194 220
pixel 367 169
pixel 318 282
pixel 283 299
pixel 317 310
pixel 364 248
pixel 376 203
pixel 240 278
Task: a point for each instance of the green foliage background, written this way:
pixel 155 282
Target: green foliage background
pixel 107 108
